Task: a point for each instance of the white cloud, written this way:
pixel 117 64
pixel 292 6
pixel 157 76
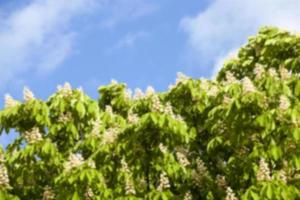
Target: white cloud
pixel 37 36
pixel 117 11
pixel 226 24
pixel 128 40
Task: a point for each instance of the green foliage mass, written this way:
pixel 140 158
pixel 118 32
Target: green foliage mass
pixel 236 137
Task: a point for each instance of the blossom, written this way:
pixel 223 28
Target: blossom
pixel 109 109
pixel 96 127
pixel 156 104
pixel 213 91
pixel 132 117
pixel 248 85
pixel 89 194
pixel 2 158
pixel 27 94
pixel 230 78
pixel 110 135
pixel 259 71
pixel 48 193
pixel 65 117
pixel 284 102
pixel 282 176
pixel 230 195
pixel 182 159
pixel 200 171
pixel 162 148
pixel 33 135
pixel 129 188
pixel 272 72
pixel 128 94
pixel 113 82
pixel 150 91
pixel 221 182
pixel 91 164
pixel 138 94
pixel 66 89
pixel 164 182
pixel 263 173
pixel 74 160
pixel 9 101
pixel 181 78
pixel 284 73
pixel 4 180
pixel 188 196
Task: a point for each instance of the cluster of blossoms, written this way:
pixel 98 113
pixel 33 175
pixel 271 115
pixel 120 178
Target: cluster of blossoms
pixel 169 111
pixel 156 104
pixel 230 78
pixel 9 101
pixel 74 160
pixel 110 135
pixel 213 91
pixel 96 128
pixel 65 117
pixel 284 103
pixel 284 73
pixel 91 164
pixel 138 94
pixel 259 71
pixel 109 110
pixel 248 85
pixel 200 171
pixel 164 182
pixel 221 182
pixel 162 148
pixel 27 94
pixel 129 187
pixel 150 91
pixel 89 194
pixel 188 196
pixel 66 89
pixel 128 94
pixel 282 176
pixel 230 194
pixel 263 173
pixel 132 117
pixel 182 159
pixel 272 72
pixel 48 193
pixel 4 180
pixel 181 78
pixel 33 135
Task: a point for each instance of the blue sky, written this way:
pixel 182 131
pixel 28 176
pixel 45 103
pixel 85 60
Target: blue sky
pixel 140 42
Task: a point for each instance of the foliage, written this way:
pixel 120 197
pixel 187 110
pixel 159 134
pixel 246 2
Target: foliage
pixel 236 137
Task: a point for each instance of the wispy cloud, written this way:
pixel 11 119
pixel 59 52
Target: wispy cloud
pixel 37 36
pixel 225 25
pixel 117 11
pixel 129 40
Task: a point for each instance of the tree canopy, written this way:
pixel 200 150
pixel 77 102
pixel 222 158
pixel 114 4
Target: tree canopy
pixel 235 137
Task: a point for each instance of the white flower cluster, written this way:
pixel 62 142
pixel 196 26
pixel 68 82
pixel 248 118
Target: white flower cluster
pixel 33 135
pixel 272 72
pixel 259 71
pixel 284 103
pixel 91 164
pixel 182 159
pixel 96 128
pixel 138 94
pixel 113 82
pixel 162 148
pixel 248 85
pixel 2 158
pixel 65 118
pixel 109 110
pixel 213 91
pixel 9 101
pixel 263 173
pixel 129 187
pixel 284 73
pixel 181 78
pixel 48 193
pixel 188 196
pixel 164 182
pixel 110 135
pixel 66 89
pixel 4 180
pixel 230 78
pixel 168 109
pixel 128 94
pixel 156 104
pixel 132 117
pixel 282 176
pixel 230 194
pixel 74 160
pixel 200 171
pixel 27 94
pixel 89 194
pixel 150 91
pixel 221 182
